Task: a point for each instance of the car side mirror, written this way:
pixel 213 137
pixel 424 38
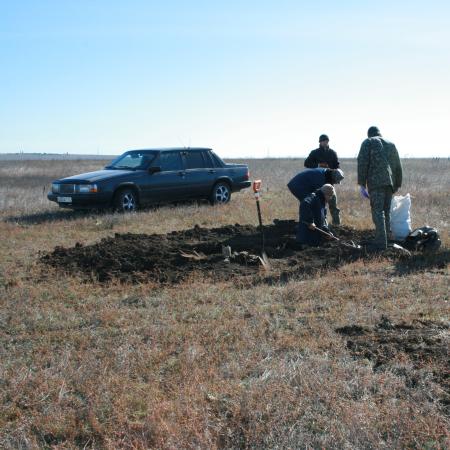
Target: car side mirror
pixel 154 169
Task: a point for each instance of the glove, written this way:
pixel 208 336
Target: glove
pixel 363 192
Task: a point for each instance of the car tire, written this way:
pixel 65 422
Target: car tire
pixel 126 201
pixel 221 193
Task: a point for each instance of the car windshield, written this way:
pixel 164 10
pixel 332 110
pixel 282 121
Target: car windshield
pixel 135 160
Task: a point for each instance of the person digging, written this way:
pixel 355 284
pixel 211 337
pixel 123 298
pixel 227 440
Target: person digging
pixel 313 215
pixel 309 180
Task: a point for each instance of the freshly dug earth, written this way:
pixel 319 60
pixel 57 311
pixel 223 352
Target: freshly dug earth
pixel 418 351
pixel 176 256
pixel 179 255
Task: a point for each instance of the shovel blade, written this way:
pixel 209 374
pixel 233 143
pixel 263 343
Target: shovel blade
pixel 264 261
pixel 351 245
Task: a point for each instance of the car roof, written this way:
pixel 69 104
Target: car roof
pixel 184 149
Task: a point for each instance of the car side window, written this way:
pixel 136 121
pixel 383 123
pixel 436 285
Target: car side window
pixel 170 161
pixel 208 160
pixel 194 160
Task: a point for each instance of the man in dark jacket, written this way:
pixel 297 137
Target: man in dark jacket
pixel 309 180
pixel 380 171
pixel 313 215
pixel 323 156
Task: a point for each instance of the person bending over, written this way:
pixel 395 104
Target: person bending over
pixel 308 180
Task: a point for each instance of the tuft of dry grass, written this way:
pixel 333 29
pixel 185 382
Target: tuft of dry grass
pixel 202 365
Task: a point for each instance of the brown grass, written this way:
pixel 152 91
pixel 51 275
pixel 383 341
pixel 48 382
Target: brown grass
pixel 201 365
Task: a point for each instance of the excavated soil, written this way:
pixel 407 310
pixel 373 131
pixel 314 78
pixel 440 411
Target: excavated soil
pixel 418 351
pixel 176 256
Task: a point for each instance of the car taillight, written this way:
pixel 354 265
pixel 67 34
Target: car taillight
pixel 247 176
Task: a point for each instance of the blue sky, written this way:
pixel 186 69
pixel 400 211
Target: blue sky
pixel 248 78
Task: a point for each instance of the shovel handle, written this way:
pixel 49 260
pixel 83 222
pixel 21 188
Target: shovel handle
pixel 324 232
pixel 345 244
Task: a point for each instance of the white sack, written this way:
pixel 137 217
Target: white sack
pixel 401 216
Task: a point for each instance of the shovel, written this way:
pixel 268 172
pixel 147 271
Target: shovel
pixel 350 244
pixel 264 259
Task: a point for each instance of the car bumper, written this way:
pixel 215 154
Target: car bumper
pixel 242 185
pixel 92 200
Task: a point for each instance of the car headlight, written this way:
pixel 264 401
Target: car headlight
pixel 55 188
pixel 87 188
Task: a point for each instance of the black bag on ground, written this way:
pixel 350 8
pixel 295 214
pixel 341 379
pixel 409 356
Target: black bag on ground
pixel 425 239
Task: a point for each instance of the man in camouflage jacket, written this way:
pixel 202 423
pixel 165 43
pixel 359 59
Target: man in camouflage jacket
pixel 325 157
pixel 380 170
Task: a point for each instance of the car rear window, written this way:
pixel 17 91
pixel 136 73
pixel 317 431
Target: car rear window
pixel 170 161
pixel 194 160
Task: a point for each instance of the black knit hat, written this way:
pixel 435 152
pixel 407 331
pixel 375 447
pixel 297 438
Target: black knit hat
pixel 373 131
pixel 323 137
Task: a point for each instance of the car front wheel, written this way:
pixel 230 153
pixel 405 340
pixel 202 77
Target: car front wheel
pixel 221 193
pixel 126 201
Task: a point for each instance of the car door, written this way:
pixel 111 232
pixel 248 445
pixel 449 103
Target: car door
pixel 199 172
pixel 170 183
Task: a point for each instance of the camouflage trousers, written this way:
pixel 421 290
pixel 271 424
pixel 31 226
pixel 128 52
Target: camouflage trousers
pixel 334 210
pixel 380 203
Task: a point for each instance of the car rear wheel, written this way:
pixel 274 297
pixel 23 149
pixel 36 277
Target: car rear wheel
pixel 125 201
pixel 221 193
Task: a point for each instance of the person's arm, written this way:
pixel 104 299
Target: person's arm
pixel 306 214
pixel 324 226
pixel 335 162
pixel 311 161
pixel 363 163
pixel 397 170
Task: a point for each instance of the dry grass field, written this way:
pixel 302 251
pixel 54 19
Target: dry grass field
pixel 352 356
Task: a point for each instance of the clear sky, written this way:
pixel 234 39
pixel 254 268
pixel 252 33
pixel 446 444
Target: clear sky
pixel 248 78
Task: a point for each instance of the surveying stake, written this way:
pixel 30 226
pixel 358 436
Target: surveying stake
pixel 257 190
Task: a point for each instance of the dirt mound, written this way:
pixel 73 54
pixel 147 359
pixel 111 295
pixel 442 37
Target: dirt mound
pixel 173 257
pixel 417 351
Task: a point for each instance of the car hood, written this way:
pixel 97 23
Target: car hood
pixel 98 175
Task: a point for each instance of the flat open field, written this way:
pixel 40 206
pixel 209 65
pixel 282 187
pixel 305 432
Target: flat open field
pixel 111 338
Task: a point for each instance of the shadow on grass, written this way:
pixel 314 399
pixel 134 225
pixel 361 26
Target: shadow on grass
pixel 420 262
pixel 49 216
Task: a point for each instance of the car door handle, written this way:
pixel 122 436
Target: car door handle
pixel 212 171
pixel 181 174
